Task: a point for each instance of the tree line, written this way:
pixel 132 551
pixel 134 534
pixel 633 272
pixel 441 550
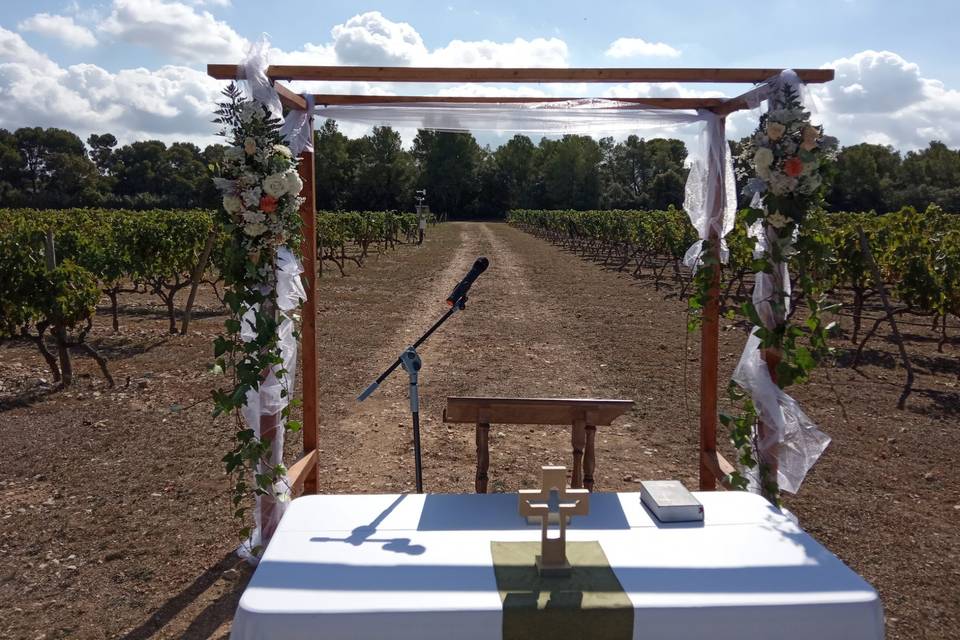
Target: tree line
pixel 54 168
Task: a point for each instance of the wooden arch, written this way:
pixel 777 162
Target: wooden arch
pixel 304 473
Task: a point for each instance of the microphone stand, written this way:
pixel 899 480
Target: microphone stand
pixel 410 360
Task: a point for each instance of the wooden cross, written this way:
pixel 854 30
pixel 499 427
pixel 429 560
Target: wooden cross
pixel 570 502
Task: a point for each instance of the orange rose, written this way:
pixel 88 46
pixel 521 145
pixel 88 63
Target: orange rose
pixel 268 204
pixel 793 167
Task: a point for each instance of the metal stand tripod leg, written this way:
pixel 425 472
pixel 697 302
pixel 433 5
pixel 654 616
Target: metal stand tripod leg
pixel 411 363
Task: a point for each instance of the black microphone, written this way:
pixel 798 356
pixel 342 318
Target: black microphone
pixel 461 289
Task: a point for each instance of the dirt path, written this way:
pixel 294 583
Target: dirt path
pixel 518 337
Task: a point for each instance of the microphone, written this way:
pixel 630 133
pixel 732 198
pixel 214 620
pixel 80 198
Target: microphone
pixel 461 289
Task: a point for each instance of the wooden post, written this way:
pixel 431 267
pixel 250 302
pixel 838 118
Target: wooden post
pixel 309 345
pixel 710 338
pixel 589 457
pixel 483 456
pixel 579 441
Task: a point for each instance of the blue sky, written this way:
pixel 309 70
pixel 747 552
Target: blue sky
pixel 135 67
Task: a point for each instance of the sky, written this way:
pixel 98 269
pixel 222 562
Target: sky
pixel 136 68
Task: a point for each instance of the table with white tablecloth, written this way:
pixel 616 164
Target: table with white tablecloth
pixel 420 566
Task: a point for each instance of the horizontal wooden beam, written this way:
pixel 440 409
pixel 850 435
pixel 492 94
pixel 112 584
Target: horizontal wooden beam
pixel 557 411
pixel 332 99
pixel 289 99
pixel 300 470
pixel 719 466
pixel 451 74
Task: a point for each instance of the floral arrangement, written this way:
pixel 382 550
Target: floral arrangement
pixel 788 157
pixel 260 185
pixel 259 181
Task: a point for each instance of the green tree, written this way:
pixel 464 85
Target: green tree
pixel 570 170
pixel 384 172
pixel 56 171
pixel 864 178
pixel 335 167
pixel 513 174
pixel 11 168
pixel 101 151
pixel 448 165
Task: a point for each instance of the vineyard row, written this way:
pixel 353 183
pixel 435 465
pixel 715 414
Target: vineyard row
pixel 55 265
pixel 918 252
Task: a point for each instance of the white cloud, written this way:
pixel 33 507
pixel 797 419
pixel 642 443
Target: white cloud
pixel 638 47
pixel 539 52
pixel 62 28
pixel 174 28
pixel 657 90
pixel 169 103
pixel 878 96
pixel 372 39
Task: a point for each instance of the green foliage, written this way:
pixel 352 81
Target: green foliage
pixel 30 294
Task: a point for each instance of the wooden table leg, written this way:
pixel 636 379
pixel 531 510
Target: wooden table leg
pixel 579 438
pixel 589 457
pixel 483 456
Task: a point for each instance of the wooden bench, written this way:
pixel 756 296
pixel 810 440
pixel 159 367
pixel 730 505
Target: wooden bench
pixel 583 415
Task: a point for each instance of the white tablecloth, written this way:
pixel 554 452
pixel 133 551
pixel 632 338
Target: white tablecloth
pixel 419 566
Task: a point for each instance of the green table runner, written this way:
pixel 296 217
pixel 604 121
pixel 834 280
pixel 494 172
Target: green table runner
pixel 589 603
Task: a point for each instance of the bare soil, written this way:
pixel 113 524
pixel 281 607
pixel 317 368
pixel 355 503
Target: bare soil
pixel 114 511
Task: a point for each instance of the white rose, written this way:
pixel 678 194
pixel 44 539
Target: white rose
pixel 232 204
pixel 255 229
pixel 283 150
pixel 775 130
pixel 763 157
pixel 294 183
pixel 763 172
pixel 275 185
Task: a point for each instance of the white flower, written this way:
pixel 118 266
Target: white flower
pixel 775 130
pixel 251 197
pixel 781 184
pixel 255 229
pixel 777 220
pixel 283 150
pixel 294 183
pixel 763 157
pixel 275 185
pixel 763 172
pixel 250 146
pixel 253 217
pixel 232 204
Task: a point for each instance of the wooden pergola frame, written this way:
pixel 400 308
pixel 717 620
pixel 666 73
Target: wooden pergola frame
pixel 304 474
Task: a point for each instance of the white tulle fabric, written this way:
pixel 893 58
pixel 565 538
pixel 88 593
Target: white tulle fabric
pixel 710 183
pixel 798 442
pixel 705 187
pixel 274 394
